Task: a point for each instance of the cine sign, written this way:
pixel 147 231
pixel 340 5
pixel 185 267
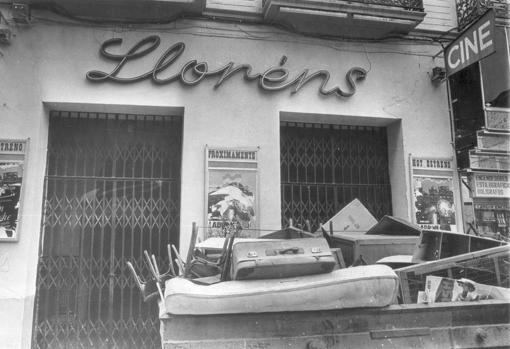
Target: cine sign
pixel 475 43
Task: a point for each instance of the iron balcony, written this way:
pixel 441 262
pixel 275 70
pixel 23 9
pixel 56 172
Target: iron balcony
pixel 370 19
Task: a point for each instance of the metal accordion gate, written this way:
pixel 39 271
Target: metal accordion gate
pixel 324 167
pixel 112 190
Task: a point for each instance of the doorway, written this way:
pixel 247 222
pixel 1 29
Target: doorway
pixel 112 190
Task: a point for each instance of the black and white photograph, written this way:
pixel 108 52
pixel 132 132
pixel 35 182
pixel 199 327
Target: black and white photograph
pixel 254 174
pixel 11 175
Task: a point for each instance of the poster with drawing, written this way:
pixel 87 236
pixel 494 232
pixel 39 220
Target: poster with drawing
pixel 433 194
pixel 12 154
pixel 231 192
pixel 433 202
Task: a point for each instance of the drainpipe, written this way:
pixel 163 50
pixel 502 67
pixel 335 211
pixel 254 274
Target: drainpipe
pixel 459 214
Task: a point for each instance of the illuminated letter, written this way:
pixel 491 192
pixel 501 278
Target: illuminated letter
pixel 482 35
pixel 133 53
pixel 200 73
pixel 462 57
pixel 457 62
pixel 471 45
pixel 359 73
pixel 270 77
pixel 173 52
pixel 228 70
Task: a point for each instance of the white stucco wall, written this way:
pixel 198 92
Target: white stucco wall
pixel 44 67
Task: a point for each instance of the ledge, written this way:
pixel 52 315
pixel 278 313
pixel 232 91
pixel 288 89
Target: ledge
pixel 122 10
pixel 374 20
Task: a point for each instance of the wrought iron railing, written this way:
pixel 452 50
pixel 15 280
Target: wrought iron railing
pixel 470 10
pixel 410 5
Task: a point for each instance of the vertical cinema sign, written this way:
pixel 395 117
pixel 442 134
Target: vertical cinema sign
pixel 473 44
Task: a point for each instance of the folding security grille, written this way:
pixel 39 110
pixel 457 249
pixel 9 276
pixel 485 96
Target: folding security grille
pixel 324 167
pixel 112 190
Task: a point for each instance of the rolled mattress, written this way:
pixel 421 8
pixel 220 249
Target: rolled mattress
pixel 363 286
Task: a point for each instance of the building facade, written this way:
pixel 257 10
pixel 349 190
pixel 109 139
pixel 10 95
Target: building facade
pixel 481 108
pixel 123 123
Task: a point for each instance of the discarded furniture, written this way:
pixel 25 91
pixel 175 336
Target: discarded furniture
pixel 363 286
pixel 397 261
pixel 370 248
pixel 390 225
pixel 442 325
pixel 353 217
pixel 288 233
pixel 281 258
pixel 434 244
pixel 489 266
pixel 363 240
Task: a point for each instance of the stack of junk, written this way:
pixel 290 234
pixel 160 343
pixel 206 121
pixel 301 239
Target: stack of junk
pixel 355 281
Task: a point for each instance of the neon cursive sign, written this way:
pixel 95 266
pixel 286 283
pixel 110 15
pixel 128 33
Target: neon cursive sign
pixel 193 72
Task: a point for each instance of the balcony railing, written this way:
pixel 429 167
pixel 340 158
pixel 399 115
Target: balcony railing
pixel 364 19
pixel 121 10
pixel 410 5
pixel 470 10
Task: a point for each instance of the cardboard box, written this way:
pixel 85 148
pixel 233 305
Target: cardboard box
pixel 440 289
pixel 354 217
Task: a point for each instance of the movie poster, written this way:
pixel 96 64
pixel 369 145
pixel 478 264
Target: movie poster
pixel 11 180
pixel 433 194
pixel 433 202
pixel 231 192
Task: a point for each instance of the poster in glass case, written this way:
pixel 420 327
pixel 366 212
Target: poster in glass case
pixel 231 192
pixel 12 161
pixel 433 202
pixel 433 194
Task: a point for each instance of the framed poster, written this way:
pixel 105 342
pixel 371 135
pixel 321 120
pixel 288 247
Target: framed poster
pixel 231 192
pixel 433 194
pixel 12 169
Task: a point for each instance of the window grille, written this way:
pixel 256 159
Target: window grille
pixel 324 167
pixel 112 190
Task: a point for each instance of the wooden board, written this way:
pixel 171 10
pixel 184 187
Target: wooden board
pixel 397 326
pixel 434 245
pixel 465 265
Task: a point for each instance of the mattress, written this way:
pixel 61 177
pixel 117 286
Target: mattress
pixel 356 287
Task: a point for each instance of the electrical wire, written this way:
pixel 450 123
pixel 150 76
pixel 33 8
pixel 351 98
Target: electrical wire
pixel 227 33
pixel 63 12
pixel 230 33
